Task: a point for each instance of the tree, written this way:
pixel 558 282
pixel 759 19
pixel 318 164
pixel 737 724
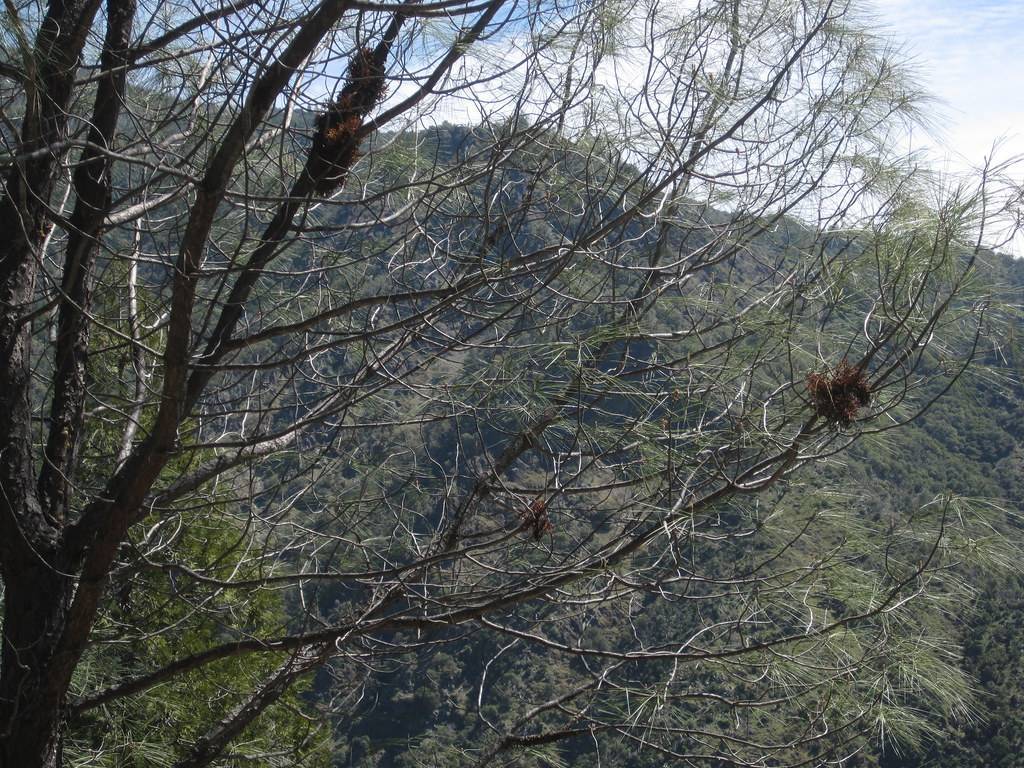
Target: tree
pixel 520 379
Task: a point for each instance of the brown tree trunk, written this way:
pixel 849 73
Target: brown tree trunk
pixel 35 590
pixel 38 581
pixel 31 700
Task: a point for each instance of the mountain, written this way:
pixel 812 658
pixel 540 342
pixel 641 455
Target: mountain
pixel 440 699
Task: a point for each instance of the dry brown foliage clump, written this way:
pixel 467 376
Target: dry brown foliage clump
pixel 535 519
pixel 337 140
pixel 838 395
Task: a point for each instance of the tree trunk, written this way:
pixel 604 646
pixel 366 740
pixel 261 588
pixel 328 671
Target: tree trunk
pixel 35 591
pixel 31 691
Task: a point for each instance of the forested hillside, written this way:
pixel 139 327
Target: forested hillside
pixel 433 703
pixel 968 442
pixel 972 441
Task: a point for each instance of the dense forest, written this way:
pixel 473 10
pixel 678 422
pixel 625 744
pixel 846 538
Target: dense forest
pixel 969 442
pixel 431 706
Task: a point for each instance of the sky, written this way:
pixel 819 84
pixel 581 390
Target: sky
pixel 970 55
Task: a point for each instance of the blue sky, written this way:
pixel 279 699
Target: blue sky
pixel 970 55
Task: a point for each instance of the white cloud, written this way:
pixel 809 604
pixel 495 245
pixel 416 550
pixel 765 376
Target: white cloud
pixel 970 55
